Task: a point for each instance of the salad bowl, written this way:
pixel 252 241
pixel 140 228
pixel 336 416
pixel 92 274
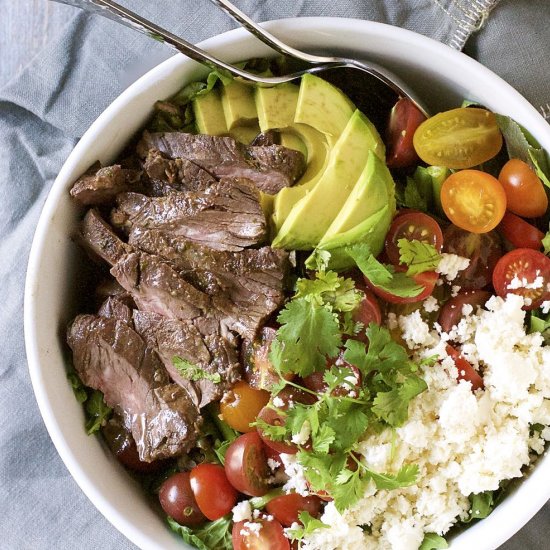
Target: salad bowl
pixel 440 76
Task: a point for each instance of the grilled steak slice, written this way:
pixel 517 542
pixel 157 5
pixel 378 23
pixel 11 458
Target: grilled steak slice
pixel 245 286
pixel 227 216
pixel 270 168
pixel 157 287
pixel 98 237
pixel 100 186
pixel 117 308
pixel 111 357
pixel 207 350
pixel 271 137
pixel 180 174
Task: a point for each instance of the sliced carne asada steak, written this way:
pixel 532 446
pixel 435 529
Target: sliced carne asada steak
pixel 101 185
pixel 180 174
pixel 206 350
pixel 227 216
pixel 270 168
pixel 98 237
pixel 111 357
pixel 119 308
pixel 157 287
pixel 245 286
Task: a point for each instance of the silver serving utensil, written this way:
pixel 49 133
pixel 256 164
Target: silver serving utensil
pixel 311 63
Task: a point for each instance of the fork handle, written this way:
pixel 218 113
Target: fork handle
pixel 116 12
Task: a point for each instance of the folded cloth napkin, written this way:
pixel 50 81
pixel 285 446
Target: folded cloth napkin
pixel 47 108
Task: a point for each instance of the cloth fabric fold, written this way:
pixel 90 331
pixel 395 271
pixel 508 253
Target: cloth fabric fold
pixel 49 106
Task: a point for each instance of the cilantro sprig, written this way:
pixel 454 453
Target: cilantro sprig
pixel 194 372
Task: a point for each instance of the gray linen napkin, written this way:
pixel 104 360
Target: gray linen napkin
pixel 47 108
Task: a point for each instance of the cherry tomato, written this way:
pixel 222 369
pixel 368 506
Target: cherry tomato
pixel 246 465
pixel 426 279
pixel 412 226
pixel 367 312
pixel 240 407
pixel 523 268
pixel 465 370
pixel 525 192
pixel 459 138
pixel 286 508
pixel 315 382
pixel 405 118
pixel 483 249
pixel 450 313
pixel 520 233
pixel 473 200
pixel 178 501
pixel 269 536
pixel 214 494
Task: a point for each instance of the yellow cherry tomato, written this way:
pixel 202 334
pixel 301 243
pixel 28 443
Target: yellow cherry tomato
pixel 241 405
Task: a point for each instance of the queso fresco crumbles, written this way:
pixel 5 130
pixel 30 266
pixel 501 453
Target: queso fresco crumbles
pixel 305 335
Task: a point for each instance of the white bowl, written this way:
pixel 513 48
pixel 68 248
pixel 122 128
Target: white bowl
pixel 442 77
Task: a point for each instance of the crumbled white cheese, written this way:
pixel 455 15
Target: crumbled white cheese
pixel 545 307
pixel 516 283
pixel 455 289
pixel 431 304
pixel 392 321
pixel 450 265
pixel 273 464
pixel 462 442
pixel 295 472
pixel 278 402
pixel 242 511
pixel 302 436
pixel 251 528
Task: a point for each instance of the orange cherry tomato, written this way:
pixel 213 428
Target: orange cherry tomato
pixel 473 200
pixel 240 407
pixel 525 192
pixel 459 138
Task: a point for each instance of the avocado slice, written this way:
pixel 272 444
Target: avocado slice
pixel 313 214
pixel 244 134
pixel 209 115
pixel 323 106
pixel 293 141
pixel 276 106
pixel 239 105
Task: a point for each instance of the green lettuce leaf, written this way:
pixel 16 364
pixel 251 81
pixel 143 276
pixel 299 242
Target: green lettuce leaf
pixel 214 535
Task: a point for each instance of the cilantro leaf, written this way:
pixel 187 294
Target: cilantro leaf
pixel 481 506
pixel 383 276
pixel 97 412
pixel 323 439
pixel 405 477
pixel 546 243
pixel 78 387
pixel 413 196
pixel 393 406
pixel 309 333
pixel 537 324
pixel 193 372
pixel 419 256
pixel 309 524
pixel 213 534
pixel 432 541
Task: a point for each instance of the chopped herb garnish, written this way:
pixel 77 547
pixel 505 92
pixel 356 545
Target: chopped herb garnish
pixel 193 372
pixel 418 256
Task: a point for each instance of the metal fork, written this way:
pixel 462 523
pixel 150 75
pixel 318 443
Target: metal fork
pixel 312 63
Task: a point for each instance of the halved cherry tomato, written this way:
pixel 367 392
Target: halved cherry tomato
pixel 268 536
pixel 214 494
pixel 272 417
pixel 240 407
pixel 426 279
pixel 246 465
pixel 525 272
pixel 412 226
pixel 465 370
pixel 473 200
pixel 520 233
pixel 451 312
pixel 367 312
pixel 459 138
pixel 483 250
pixel 405 118
pixel 315 382
pixel 286 508
pixel 178 501
pixel 524 191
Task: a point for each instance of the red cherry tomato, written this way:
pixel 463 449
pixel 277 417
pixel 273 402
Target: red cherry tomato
pixel 268 536
pixel 272 417
pixel 287 508
pixel 451 312
pixel 426 279
pixel 525 192
pixel 178 501
pixel 405 118
pixel 520 233
pixel 412 226
pixel 523 268
pixel 315 382
pixel 367 312
pixel 214 494
pixel 465 370
pixel 484 250
pixel 246 465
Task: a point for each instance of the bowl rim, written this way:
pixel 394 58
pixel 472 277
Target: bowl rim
pixel 508 515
